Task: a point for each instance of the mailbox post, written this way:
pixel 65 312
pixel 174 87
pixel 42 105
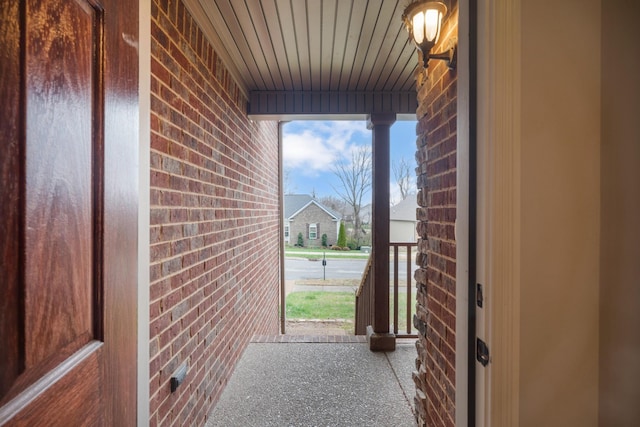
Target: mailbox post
pixel 324 266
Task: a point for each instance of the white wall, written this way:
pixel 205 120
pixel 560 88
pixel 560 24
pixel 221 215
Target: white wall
pixel 560 213
pixel 402 231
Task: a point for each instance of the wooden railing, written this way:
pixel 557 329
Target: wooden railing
pixel 365 295
pixel 364 301
pixel 410 302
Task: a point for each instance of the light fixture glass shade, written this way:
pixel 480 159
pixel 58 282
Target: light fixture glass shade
pixel 424 21
pixel 418 27
pixel 432 22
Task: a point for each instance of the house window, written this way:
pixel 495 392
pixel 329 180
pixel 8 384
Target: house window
pixel 313 231
pixel 286 231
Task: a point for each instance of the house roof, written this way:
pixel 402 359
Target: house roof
pixel 294 203
pixel 405 210
pixel 311 58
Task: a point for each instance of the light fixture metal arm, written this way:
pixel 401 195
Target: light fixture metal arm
pixel 450 57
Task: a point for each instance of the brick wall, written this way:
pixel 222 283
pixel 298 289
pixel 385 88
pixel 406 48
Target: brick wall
pixel 214 220
pixel 436 298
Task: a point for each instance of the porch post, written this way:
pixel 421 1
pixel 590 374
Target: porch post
pixel 378 334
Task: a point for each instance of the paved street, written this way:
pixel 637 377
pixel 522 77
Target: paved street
pixel 303 269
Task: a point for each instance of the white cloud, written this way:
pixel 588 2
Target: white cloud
pixel 307 151
pixel 313 147
pixel 394 194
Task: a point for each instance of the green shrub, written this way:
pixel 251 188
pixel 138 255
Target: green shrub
pixel 342 236
pixel 300 240
pixel 324 240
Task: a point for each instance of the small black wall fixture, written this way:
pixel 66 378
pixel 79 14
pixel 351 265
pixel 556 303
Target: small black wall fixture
pixel 423 20
pixel 178 377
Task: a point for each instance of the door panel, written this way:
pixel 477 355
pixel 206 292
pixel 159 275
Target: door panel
pixel 59 215
pixel 69 395
pixel 68 243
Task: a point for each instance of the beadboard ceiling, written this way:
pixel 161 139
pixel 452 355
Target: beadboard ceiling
pixel 301 46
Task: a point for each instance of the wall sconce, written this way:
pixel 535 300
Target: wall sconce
pixel 423 20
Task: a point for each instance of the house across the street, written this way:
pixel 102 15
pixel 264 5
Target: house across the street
pixel 306 215
pixel 403 222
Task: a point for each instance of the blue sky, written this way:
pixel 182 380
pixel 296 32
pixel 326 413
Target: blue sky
pixel 311 148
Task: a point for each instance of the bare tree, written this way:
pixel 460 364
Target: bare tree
pixel 402 175
pixel 288 187
pixel 355 179
pixel 336 204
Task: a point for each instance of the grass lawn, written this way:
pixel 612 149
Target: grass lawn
pixel 318 253
pixel 402 310
pixel 321 305
pixel 336 305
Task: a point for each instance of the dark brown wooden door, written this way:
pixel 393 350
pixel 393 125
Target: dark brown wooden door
pixel 68 212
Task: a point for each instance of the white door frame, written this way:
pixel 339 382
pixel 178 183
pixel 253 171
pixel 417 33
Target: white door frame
pixel 462 237
pixel 498 210
pixel 144 167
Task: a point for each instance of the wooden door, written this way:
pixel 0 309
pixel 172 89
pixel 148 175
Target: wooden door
pixel 68 212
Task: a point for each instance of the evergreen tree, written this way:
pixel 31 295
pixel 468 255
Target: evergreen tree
pixel 342 236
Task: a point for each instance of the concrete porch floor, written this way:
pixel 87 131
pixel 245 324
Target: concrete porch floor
pixel 318 381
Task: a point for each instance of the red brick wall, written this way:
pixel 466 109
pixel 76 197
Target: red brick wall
pixel 436 306
pixel 214 220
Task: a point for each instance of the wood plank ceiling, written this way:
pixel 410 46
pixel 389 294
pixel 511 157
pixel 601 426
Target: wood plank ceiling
pixel 313 46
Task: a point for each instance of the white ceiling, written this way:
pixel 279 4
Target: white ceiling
pixel 302 46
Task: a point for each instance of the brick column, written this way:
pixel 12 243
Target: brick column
pixel 378 334
pixel 435 317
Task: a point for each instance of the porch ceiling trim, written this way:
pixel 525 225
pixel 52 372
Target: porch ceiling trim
pixel 356 104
